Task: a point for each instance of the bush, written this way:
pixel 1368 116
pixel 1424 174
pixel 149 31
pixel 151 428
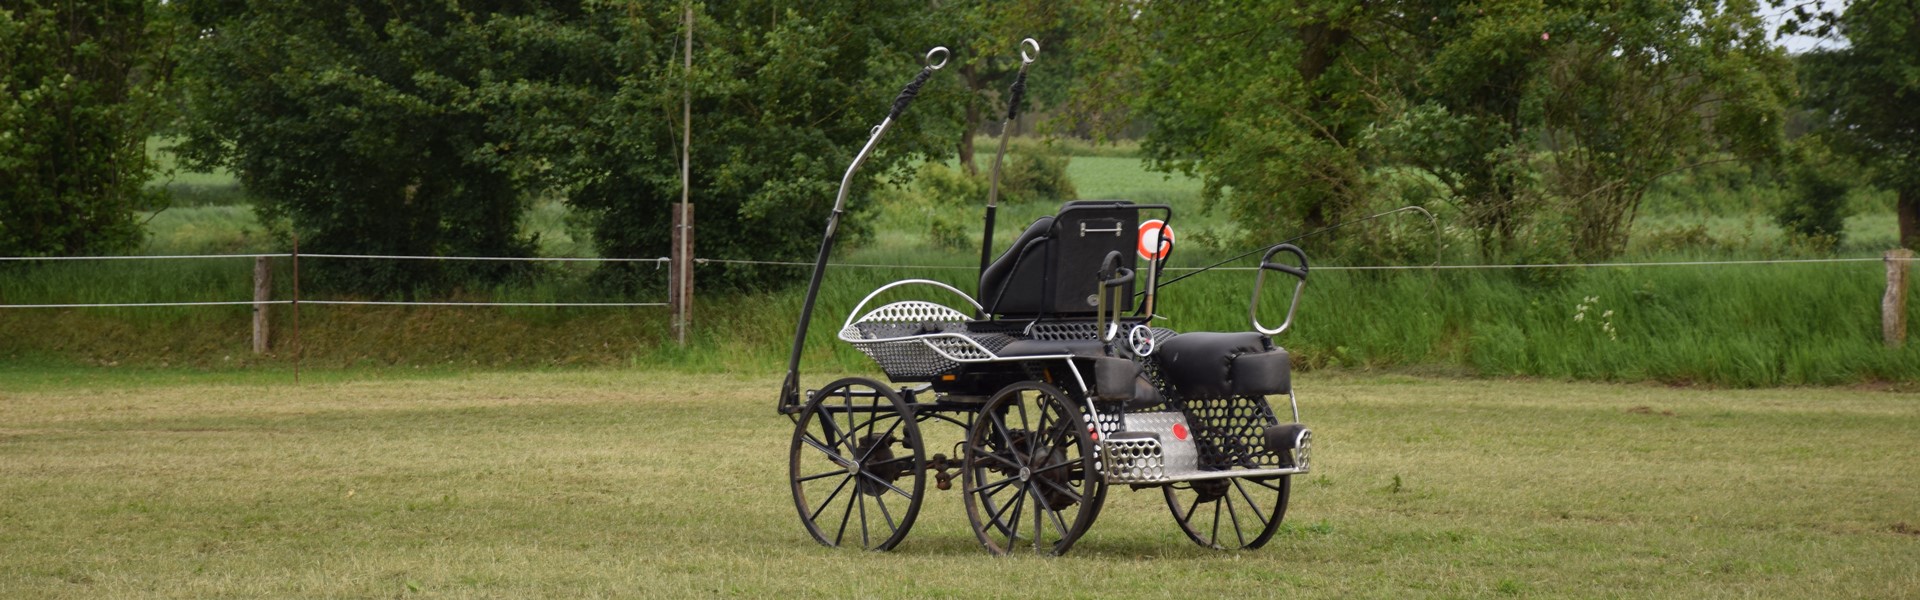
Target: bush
pixel 1814 211
pixel 1038 174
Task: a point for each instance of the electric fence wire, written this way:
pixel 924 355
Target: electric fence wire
pixel 707 261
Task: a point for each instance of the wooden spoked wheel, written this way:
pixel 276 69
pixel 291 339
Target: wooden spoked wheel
pixel 857 465
pixel 1228 514
pixel 1029 475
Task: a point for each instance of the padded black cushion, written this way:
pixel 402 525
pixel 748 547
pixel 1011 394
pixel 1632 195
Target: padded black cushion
pixel 993 281
pixel 1200 364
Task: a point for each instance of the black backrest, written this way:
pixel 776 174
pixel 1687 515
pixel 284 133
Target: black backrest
pixel 1050 269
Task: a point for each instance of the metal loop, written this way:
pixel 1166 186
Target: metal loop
pixel 942 52
pixel 1025 58
pixel 1141 340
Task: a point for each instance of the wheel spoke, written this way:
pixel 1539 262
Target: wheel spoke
pixel 824 450
pixel 1235 518
pixel 889 484
pixel 996 484
pixel 1058 523
pixel 890 431
pixel 836 493
pixel 1006 437
pixel 865 541
pixel 1263 483
pixel 1063 489
pixel 1018 494
pixel 985 454
pixel 845 516
pixel 1251 504
pixel 821 476
pixel 1188 519
pixel 1215 537
pixel 1013 525
pixel 881 501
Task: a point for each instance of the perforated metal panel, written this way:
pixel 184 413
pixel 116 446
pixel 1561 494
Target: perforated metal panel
pixel 1231 432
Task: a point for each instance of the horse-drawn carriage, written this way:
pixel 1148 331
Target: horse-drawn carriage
pixel 1063 385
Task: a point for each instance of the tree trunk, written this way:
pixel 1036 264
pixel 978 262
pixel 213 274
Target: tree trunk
pixel 1322 42
pixel 1908 209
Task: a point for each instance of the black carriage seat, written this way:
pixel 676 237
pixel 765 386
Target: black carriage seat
pixel 1219 365
pixel 1049 270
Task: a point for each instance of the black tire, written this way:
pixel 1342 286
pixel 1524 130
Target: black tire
pixel 1228 514
pixel 857 422
pixel 1029 454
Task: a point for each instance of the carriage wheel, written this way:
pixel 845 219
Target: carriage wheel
pixel 1236 513
pixel 856 464
pixel 1029 477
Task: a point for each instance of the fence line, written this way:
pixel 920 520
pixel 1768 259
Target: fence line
pixel 143 304
pixel 705 261
pixel 726 261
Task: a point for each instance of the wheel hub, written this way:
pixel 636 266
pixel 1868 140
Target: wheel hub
pixel 874 455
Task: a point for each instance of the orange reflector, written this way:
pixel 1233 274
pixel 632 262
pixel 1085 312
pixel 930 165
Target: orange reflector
pixel 946 378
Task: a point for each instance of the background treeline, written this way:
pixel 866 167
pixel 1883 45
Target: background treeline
pixel 1539 132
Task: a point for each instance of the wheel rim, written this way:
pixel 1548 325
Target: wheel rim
pixel 856 466
pixel 1235 513
pixel 1028 477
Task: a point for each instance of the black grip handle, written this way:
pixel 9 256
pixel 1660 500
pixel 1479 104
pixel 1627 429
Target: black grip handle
pixel 1018 93
pixel 1112 274
pixel 1266 261
pixel 907 94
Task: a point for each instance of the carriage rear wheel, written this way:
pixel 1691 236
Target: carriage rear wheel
pixel 1029 476
pixel 857 465
pixel 1236 513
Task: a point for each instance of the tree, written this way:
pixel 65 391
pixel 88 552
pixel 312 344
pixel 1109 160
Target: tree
pixel 78 83
pixel 1639 90
pixel 987 34
pixel 1867 97
pixel 1263 100
pixel 1293 112
pixel 359 122
pixel 781 100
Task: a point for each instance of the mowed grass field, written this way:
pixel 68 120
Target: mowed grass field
pixel 661 484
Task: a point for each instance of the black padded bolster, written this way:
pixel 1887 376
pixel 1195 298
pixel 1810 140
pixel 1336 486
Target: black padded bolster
pixel 1205 365
pixel 1261 373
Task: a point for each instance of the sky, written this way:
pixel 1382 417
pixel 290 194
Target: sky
pixel 1800 43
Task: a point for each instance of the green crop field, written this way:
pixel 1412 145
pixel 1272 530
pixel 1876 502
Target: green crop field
pixel 605 483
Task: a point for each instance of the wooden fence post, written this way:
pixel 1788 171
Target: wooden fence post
pixel 262 293
pixel 680 272
pixel 1893 306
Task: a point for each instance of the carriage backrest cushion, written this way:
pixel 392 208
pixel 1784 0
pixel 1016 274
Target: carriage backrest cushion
pixel 994 290
pixel 1050 269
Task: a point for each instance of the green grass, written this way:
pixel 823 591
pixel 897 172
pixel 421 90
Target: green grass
pixel 665 484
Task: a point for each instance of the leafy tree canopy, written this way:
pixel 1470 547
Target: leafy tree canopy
pixel 78 89
pixel 1866 96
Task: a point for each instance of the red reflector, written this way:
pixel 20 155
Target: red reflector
pixel 1179 431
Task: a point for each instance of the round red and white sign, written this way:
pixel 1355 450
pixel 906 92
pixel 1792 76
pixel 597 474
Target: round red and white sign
pixel 1151 233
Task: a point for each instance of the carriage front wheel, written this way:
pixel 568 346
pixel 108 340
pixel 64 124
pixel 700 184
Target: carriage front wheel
pixel 1235 513
pixel 1029 476
pixel 857 465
